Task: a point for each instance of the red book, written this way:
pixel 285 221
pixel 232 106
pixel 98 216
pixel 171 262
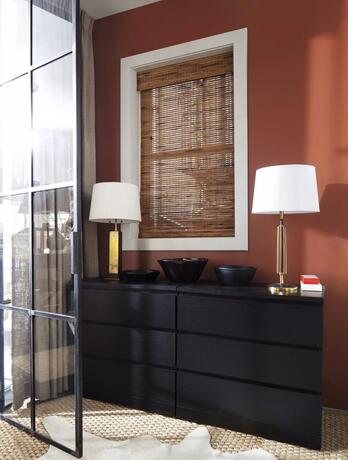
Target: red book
pixel 310 279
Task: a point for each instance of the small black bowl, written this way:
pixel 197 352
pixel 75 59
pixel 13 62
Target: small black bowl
pixel 235 275
pixel 183 270
pixel 139 276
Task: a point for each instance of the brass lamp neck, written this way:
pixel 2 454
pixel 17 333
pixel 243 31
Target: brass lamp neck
pixel 281 249
pixel 281 287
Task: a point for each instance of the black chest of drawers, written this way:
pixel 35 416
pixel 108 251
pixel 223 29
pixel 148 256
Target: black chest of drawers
pixel 233 357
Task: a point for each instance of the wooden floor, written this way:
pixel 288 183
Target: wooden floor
pixel 118 423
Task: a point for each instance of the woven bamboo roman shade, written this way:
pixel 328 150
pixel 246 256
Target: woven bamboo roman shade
pixel 187 149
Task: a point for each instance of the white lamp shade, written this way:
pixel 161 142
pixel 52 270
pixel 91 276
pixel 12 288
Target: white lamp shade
pixel 288 188
pixel 115 202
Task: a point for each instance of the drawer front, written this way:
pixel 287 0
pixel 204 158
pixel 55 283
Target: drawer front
pixel 129 344
pixel 130 308
pixel 264 363
pixel 283 415
pixel 279 322
pixel 141 387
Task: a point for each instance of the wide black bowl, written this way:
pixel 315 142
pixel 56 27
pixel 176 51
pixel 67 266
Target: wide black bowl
pixel 139 276
pixel 235 275
pixel 183 270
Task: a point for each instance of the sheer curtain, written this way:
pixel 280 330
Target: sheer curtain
pixel 90 238
pixel 52 292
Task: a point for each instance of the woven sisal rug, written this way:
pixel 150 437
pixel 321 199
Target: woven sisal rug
pixel 118 424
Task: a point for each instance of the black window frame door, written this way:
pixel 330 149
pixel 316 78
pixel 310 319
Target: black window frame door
pixel 71 318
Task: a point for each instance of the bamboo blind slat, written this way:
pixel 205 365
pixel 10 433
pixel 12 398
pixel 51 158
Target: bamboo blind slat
pixel 187 159
pixel 196 69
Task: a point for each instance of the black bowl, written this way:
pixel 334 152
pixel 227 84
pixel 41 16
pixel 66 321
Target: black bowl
pixel 235 275
pixel 139 276
pixel 183 270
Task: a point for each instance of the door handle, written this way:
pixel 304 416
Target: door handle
pixel 75 253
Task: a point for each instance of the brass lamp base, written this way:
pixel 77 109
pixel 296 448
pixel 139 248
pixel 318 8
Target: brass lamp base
pixel 282 289
pixel 115 245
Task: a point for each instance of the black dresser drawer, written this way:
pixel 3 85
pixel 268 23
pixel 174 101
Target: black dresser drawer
pixel 238 358
pixel 129 307
pixel 142 387
pixel 265 363
pixel 289 416
pixel 253 319
pixel 129 344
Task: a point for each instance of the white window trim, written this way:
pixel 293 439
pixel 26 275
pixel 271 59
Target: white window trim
pixel 130 136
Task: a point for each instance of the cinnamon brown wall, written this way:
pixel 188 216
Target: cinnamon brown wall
pixel 298 113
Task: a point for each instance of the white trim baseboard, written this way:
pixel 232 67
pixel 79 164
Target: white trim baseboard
pixel 130 136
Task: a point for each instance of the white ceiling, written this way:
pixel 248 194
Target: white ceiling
pixel 101 8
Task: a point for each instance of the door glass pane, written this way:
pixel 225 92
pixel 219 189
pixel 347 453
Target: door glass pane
pixel 54 374
pixel 14 135
pixel 52 228
pixel 53 123
pixel 14 38
pixel 15 366
pixel 52 29
pixel 14 251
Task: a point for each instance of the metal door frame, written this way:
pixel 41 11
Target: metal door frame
pixel 76 237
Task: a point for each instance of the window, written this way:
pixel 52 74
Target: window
pixel 184 142
pixel 187 153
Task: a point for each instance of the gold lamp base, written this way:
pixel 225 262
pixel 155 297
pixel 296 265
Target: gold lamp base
pixel 282 289
pixel 115 242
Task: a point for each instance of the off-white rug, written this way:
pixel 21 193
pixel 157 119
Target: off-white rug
pixel 196 446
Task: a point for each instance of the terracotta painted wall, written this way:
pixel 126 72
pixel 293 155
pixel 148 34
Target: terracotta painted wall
pixel 298 113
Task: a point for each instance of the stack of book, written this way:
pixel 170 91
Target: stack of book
pixel 310 283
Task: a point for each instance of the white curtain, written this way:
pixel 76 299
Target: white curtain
pixel 90 237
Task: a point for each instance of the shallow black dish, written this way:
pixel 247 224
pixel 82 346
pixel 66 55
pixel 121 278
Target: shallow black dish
pixel 183 270
pixel 235 275
pixel 139 276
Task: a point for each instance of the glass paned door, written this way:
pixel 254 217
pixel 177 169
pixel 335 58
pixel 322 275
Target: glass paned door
pixel 14 119
pixel 15 359
pixel 53 130
pixel 40 218
pixel 14 32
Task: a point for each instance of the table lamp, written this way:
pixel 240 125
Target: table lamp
pixel 117 203
pixel 285 189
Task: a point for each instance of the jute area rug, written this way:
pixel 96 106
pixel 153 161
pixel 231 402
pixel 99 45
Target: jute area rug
pixel 119 424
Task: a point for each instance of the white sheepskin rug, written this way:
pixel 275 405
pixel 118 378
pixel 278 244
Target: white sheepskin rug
pixel 196 446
